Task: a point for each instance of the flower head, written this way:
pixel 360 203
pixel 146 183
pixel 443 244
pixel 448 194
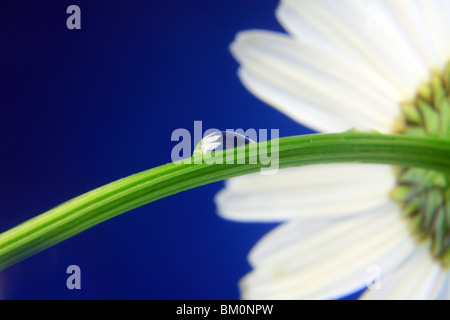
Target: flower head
pixel 349 64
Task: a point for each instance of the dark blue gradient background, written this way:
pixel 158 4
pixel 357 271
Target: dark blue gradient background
pixel 81 108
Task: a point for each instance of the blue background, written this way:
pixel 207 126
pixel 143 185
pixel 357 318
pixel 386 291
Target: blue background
pixel 81 108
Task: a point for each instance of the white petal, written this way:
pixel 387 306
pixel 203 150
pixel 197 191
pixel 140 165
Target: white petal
pixel 310 192
pixel 420 277
pixel 422 25
pixel 445 292
pixel 326 260
pixel 345 25
pixel 288 102
pixel 292 77
pixel 445 43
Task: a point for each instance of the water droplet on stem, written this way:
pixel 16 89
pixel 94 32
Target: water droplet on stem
pixel 221 140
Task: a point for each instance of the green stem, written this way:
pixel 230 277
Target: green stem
pixel 87 210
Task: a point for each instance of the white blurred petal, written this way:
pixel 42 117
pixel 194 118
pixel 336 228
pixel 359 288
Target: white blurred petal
pixel 326 259
pixel 420 277
pixel 293 77
pixel 421 27
pixel 310 192
pixel 445 292
pixel 345 26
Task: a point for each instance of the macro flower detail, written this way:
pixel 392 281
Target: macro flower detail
pixel 423 194
pixel 380 65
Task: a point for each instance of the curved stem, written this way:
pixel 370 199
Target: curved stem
pixel 87 210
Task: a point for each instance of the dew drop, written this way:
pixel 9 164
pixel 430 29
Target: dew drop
pixel 221 140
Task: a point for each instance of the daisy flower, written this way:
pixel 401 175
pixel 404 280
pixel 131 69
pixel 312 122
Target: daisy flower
pixel 343 64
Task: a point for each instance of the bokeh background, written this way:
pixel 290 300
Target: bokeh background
pixel 81 108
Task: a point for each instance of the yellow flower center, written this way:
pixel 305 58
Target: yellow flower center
pixel 423 194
